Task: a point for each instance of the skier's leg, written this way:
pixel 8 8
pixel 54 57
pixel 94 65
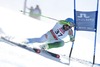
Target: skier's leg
pixel 56 44
pixel 39 40
pixel 52 45
pixel 46 37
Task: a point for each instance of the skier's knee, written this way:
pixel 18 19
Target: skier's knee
pixel 61 43
pixel 56 44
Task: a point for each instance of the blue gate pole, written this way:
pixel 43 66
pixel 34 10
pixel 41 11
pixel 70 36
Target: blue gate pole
pixel 96 18
pixel 74 33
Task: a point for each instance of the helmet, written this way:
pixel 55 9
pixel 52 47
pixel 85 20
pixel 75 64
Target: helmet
pixel 70 22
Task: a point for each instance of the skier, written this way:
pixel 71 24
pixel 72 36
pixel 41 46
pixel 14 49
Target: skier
pixel 53 38
pixel 35 12
pixel 31 11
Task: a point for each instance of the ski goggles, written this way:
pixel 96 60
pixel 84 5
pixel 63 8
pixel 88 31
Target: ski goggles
pixel 68 26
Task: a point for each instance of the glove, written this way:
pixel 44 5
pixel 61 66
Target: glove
pixel 72 39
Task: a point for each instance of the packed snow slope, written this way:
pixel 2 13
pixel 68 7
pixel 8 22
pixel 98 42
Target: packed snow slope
pixel 20 27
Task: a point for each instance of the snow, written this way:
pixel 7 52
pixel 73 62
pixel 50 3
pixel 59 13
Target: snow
pixel 20 27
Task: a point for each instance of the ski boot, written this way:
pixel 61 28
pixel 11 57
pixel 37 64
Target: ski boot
pixel 44 46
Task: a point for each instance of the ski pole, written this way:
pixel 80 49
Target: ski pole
pixel 49 17
pixel 42 16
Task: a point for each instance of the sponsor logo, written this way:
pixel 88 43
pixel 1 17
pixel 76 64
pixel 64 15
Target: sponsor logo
pixel 84 17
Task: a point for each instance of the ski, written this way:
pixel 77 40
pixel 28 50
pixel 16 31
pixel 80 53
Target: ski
pixel 54 55
pixel 49 55
pixel 44 53
pixel 37 50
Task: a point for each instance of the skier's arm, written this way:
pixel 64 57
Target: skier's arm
pixel 70 33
